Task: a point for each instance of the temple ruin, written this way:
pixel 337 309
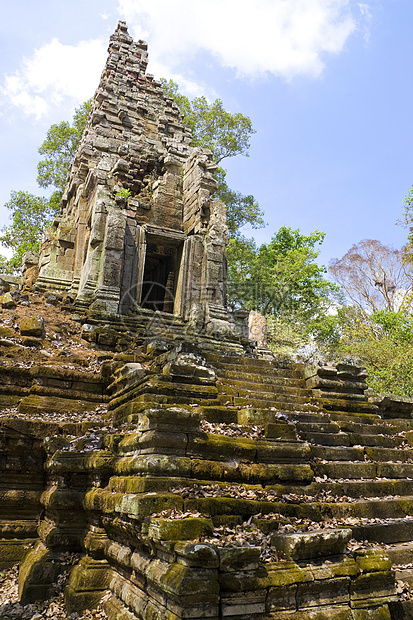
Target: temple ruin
pixel 171 465
pixel 138 227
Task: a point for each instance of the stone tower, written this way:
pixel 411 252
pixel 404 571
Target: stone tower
pixel 137 227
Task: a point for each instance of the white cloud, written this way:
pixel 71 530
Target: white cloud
pixel 53 73
pixel 283 37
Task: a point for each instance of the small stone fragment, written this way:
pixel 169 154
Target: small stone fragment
pixel 33 326
pixel 7 301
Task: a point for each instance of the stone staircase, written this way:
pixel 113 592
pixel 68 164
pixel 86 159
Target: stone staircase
pixel 207 445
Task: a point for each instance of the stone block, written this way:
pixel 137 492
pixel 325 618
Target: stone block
pixel 238 558
pixel 200 555
pixel 7 301
pixel 282 598
pixel 243 604
pixel 32 326
pixel 140 506
pixel 190 528
pixel 323 592
pixel 312 544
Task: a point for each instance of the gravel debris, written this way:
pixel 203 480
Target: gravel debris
pixel 51 609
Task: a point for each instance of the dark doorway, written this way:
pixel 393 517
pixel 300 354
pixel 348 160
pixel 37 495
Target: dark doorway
pixel 160 277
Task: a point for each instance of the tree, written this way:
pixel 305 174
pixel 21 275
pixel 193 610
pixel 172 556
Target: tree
pixel 59 148
pixel 383 343
pixel 226 135
pixel 280 278
pixel 30 216
pixel 374 276
pixel 407 222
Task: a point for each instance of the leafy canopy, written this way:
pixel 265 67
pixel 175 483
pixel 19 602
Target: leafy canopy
pixel 383 343
pixel 59 148
pixel 280 278
pixel 30 216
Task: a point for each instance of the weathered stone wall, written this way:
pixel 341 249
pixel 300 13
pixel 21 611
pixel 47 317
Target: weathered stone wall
pixel 137 208
pixel 204 495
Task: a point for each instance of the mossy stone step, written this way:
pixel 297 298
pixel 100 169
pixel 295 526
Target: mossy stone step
pixel 389 531
pixel 221 448
pixel 400 553
pixel 219 414
pixel 70 393
pixel 361 488
pixel 312 544
pixel 252 473
pixel 355 416
pixel 348 470
pixel 350 439
pixel 337 453
pixel 230 370
pixel 244 388
pixel 38 405
pixel 267 378
pixel 388 454
pixel 175 392
pixel 372 508
pixel 366 429
pixel 326 439
pixel 347 405
pixel 275 397
pixel 279 403
pixel 317 427
pixel 310 417
pixel 240 360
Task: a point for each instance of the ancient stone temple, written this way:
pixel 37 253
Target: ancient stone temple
pixel 138 227
pixel 155 462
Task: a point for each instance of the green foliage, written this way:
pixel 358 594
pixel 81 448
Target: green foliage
pixel 280 278
pixel 123 193
pixel 226 135
pixel 241 210
pixel 408 221
pixel 30 216
pixel 59 148
pixel 383 343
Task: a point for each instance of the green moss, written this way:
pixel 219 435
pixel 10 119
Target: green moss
pixel 372 561
pixel 220 447
pixel 191 528
pixel 182 581
pixel 34 403
pixel 140 506
pixel 286 573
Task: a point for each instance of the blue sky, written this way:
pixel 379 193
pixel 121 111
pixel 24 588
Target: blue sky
pixel 328 85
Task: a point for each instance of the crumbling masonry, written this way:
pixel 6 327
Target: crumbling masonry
pixel 138 226
pixel 212 481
